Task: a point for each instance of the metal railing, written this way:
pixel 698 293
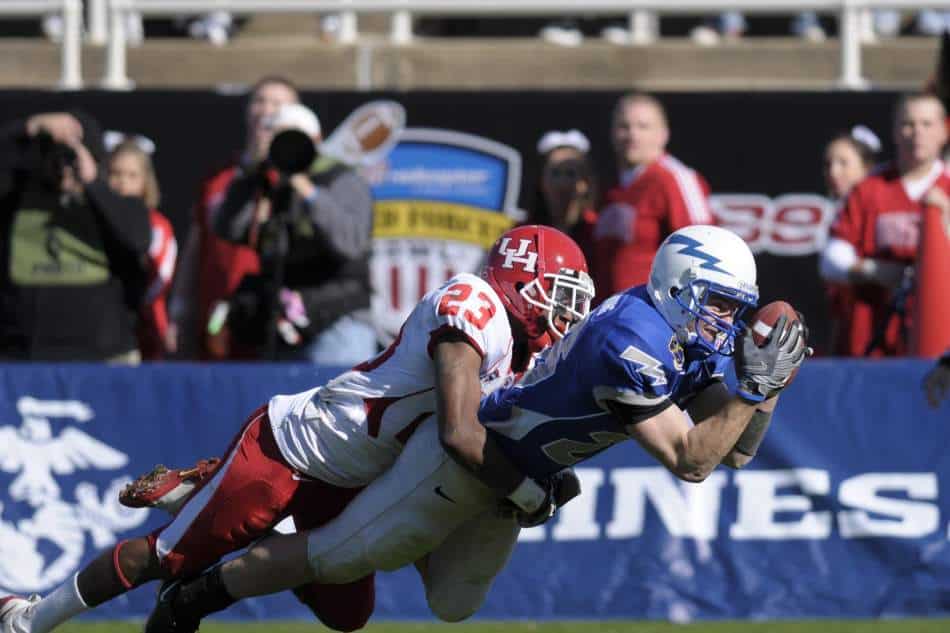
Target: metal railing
pixel 849 13
pixel 71 46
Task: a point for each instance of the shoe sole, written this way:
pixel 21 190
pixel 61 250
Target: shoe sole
pixel 148 489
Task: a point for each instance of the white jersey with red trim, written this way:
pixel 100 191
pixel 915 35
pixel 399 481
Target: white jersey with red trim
pixel 352 429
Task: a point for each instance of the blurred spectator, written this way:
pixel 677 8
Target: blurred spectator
pixel 131 174
pixel 937 381
pixel 571 31
pixel 932 22
pixel 568 187
pixel 217 27
pixel 874 240
pixel 656 195
pixel 312 226
pixel 566 32
pixel 730 25
pixel 849 156
pixel 73 250
pixel 210 268
pixel 806 25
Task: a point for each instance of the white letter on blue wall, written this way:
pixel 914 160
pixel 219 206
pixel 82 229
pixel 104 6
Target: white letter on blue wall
pixel 759 502
pixel 903 518
pixel 686 510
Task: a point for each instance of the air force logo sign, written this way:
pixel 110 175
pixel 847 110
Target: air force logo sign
pixel 43 533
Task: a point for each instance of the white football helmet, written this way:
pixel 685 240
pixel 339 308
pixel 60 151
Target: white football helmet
pixel 693 264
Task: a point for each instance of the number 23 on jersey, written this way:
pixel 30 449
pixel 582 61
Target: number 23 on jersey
pixel 455 297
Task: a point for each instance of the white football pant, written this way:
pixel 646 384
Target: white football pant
pixel 424 504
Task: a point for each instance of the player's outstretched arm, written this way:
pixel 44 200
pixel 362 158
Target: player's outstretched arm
pixel 747 446
pixel 712 399
pixel 691 453
pixel 465 439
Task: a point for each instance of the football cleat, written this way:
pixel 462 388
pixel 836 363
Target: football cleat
pixel 167 488
pixel 13 611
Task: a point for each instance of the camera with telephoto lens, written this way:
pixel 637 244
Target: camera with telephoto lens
pixel 292 152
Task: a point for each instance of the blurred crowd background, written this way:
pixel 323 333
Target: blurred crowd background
pixel 272 259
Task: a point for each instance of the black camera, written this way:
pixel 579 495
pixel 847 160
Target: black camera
pixel 51 158
pixel 292 152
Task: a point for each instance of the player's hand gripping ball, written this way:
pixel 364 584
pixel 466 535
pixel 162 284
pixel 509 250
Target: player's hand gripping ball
pixel 769 352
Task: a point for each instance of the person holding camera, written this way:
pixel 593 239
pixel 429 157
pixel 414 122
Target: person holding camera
pixel 310 219
pixel 73 253
pixel 209 268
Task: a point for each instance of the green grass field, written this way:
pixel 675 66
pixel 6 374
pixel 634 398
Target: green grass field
pixel 812 626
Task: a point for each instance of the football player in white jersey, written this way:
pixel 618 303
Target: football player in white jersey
pixel 308 455
pixel 631 370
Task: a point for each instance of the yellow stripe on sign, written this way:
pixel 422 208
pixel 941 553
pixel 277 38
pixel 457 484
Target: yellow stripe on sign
pixel 426 219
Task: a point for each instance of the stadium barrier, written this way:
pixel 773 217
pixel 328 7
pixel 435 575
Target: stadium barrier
pixel 71 45
pixel 849 14
pixel 843 514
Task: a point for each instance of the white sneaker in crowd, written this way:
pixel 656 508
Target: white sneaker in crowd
pixel 617 35
pixel 562 34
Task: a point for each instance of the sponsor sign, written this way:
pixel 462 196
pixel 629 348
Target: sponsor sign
pixel 442 199
pixel 845 512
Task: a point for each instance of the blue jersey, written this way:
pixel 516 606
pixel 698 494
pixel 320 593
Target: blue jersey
pixel 620 365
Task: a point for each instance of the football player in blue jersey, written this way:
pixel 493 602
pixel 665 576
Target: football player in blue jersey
pixel 650 358
pixel 648 364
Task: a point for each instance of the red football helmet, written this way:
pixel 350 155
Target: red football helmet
pixel 541 276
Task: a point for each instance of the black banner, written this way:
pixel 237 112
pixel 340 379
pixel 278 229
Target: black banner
pixel 769 144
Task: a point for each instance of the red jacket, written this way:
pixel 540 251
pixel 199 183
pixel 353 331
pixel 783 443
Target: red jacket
pixel 222 264
pixel 881 219
pixel 652 201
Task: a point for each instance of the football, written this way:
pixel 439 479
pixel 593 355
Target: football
pixel 765 318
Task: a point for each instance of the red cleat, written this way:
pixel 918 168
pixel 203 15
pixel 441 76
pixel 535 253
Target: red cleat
pixel 167 489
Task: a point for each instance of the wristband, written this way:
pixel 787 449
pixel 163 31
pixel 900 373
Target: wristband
pixel 313 195
pixel 749 397
pixel 528 496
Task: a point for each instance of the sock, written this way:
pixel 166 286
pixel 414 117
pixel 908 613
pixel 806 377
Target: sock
pixel 61 605
pixel 175 498
pixel 203 596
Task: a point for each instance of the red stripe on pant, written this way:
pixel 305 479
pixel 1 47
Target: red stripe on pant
pixel 256 490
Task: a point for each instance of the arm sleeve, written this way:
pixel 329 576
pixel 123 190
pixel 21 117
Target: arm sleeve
pixel 687 199
pixel 466 308
pixel 343 213
pixel 232 219
pixel 124 219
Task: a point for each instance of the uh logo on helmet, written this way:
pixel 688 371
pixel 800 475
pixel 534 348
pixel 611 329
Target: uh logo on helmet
pixel 693 265
pixel 541 277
